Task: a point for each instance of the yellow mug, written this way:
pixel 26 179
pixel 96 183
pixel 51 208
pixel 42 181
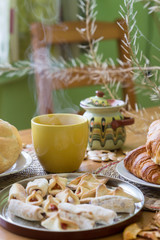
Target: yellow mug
pixel 60 141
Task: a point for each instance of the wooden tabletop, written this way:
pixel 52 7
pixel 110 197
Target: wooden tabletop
pixel 132 141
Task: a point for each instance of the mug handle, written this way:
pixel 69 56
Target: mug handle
pixel 124 122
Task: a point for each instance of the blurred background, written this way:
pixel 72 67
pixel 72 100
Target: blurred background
pixel 17 94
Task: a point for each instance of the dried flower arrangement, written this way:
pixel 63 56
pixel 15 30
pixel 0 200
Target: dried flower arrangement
pixel 138 64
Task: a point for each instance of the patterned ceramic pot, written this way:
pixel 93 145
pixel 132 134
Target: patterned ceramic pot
pixel 106 123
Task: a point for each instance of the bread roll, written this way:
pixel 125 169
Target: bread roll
pixel 10 145
pixel 153 141
pixel 139 163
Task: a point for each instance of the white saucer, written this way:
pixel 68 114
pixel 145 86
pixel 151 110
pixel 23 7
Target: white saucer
pixel 129 176
pixel 22 163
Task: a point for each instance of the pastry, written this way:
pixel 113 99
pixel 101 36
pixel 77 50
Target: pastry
pixel 80 191
pixel 102 190
pixel 88 185
pixel 89 193
pixel 88 178
pixel 10 145
pixel 25 210
pixel 74 183
pixel 58 223
pixel 68 196
pixel 82 221
pixel 40 185
pixel 18 192
pixel 139 163
pixel 35 198
pixel 96 213
pixel 153 141
pixel 50 205
pixel 116 203
pixel 56 184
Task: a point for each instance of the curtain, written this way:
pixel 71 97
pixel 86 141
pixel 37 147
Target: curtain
pixel 4 31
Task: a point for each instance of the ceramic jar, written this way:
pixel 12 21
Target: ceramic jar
pixel 106 123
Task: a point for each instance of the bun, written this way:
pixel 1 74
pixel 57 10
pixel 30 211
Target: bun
pixel 10 145
pixel 153 141
pixel 139 163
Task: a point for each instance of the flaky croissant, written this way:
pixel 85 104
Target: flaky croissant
pixel 139 163
pixel 153 141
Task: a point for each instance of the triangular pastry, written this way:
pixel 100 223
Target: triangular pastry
pixel 50 205
pixel 40 185
pixel 120 192
pixel 75 182
pixel 17 191
pixel 89 194
pixel 34 198
pixel 89 177
pixel 56 184
pixel 102 190
pixel 80 191
pixel 58 223
pixel 68 196
pixel 88 185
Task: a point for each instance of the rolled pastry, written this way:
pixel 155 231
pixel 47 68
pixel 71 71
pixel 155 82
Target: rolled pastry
pixel 50 205
pixel 18 192
pixel 58 223
pixel 56 184
pixel 35 198
pixel 68 196
pixel 25 210
pixel 116 203
pixel 40 184
pixel 81 221
pixel 153 141
pixel 96 213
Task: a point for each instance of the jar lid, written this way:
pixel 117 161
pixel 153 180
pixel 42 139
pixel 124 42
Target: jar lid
pixel 96 101
pixel 101 103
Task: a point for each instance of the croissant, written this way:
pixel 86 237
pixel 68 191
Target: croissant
pixel 153 141
pixel 139 163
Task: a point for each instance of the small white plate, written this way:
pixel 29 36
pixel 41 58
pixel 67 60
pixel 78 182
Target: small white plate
pixel 129 176
pixel 22 163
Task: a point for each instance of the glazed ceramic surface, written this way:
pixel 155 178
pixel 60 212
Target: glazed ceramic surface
pixel 106 123
pixel 60 141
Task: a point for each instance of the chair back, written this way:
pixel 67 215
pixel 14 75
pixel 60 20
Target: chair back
pixel 66 32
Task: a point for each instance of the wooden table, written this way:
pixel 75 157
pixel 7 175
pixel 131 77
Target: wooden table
pixel 132 142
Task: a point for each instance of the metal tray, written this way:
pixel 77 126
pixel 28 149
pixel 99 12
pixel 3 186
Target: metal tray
pixel 35 230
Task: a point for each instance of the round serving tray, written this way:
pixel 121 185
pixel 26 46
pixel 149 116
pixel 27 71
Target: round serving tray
pixel 35 230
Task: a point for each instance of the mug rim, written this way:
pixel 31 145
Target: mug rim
pixel 62 125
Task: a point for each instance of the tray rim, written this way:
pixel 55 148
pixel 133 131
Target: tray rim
pixel 90 233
